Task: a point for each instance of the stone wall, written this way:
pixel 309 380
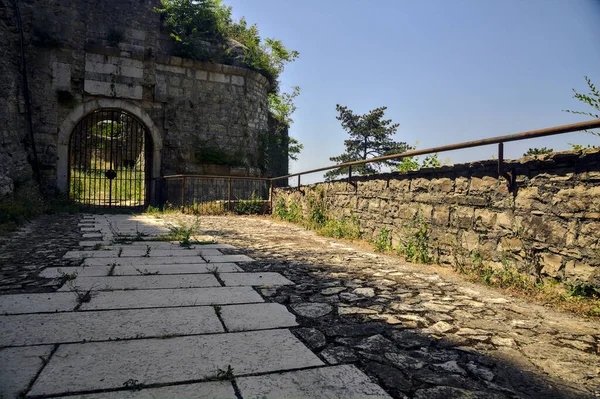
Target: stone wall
pixel 549 226
pixel 15 169
pixel 210 118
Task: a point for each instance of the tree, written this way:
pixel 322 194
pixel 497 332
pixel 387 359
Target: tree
pixel 538 151
pixel 593 100
pixel 370 136
pixel 282 107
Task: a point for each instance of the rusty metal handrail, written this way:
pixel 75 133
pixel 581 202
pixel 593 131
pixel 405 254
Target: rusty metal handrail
pixel 574 127
pixel 216 177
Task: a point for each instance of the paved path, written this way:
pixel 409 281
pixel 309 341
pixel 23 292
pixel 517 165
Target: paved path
pixel 150 319
pixel 274 311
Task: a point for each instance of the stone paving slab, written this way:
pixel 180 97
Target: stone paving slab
pixel 253 279
pixel 145 261
pixel 139 299
pixel 91 254
pixel 167 253
pixel 35 329
pixel 227 258
pixel 257 316
pixel 18 367
pixel 57 272
pixel 208 390
pixel 91 366
pixel 175 269
pixel 338 382
pixel 142 282
pixel 153 244
pixel 37 303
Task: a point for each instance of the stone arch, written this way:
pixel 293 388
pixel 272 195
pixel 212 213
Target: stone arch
pixel 66 128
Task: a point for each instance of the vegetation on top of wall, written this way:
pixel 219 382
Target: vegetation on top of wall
pixel 281 108
pixel 194 23
pixel 591 99
pixel 538 151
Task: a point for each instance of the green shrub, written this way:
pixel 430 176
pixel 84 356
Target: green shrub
pixel 415 245
pixel 383 241
pixel 341 228
pixel 254 206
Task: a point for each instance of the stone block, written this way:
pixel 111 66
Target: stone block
pixel 108 365
pixel 143 261
pixel 579 271
pixel 54 328
pixel 484 184
pixel 113 89
pixel 131 270
pixel 443 185
pixel 441 215
pixel 210 389
pixel 344 381
pixel 37 303
pixel 61 76
pixel 227 258
pixel 140 299
pixel 257 316
pixel 18 367
pixel 237 80
pixel 143 281
pixel 218 77
pixel 462 217
pixel 551 264
pixel 485 218
pixel 470 240
pixel 253 279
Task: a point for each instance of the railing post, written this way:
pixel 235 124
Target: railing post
pixel 350 174
pixel 271 195
pixel 183 181
pixel 298 182
pixel 229 194
pixel 500 159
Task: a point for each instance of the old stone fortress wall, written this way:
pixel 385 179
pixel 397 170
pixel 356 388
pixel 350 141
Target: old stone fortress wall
pixel 548 226
pixel 113 54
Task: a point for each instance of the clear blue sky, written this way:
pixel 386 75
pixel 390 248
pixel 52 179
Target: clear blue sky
pixel 448 70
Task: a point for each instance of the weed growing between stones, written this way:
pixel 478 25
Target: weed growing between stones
pixel 133 384
pixel 226 374
pixel 145 272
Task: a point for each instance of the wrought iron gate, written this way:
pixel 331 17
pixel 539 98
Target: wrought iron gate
pixel 108 154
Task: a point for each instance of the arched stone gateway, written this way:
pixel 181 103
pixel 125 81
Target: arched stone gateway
pixel 108 153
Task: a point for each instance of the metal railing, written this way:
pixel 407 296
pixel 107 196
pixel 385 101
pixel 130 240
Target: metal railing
pixel 225 192
pixel 214 194
pixel 500 140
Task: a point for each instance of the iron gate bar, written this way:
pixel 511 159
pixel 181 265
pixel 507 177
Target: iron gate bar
pixel 574 127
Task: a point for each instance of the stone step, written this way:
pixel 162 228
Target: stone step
pixel 109 365
pixel 35 329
